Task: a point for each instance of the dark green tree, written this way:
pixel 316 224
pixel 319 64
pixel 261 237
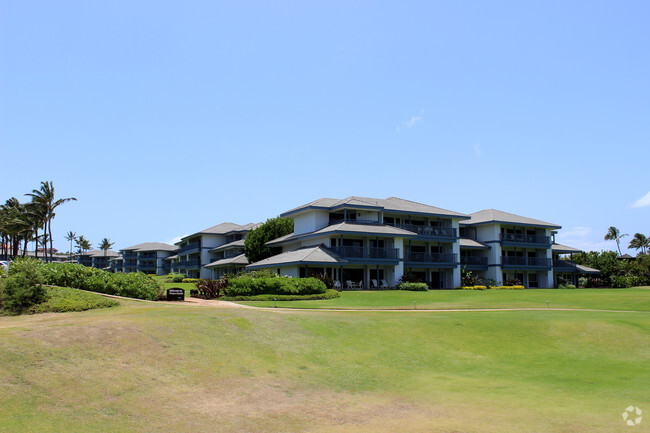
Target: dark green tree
pixel 255 243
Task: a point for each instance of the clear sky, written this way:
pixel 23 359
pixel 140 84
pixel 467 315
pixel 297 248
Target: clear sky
pixel 165 118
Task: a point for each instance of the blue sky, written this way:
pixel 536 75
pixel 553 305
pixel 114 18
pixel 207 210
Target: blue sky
pixel 164 118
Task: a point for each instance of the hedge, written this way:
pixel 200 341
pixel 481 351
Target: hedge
pixel 249 286
pixel 414 287
pixel 132 285
pixel 329 294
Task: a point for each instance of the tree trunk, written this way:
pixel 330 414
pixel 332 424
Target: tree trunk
pixel 49 228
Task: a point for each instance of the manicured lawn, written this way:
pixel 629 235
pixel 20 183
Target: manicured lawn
pixel 634 299
pixel 154 367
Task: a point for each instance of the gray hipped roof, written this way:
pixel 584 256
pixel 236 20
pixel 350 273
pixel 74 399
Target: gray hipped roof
pixel 564 249
pixel 496 216
pixel 240 260
pixel 316 255
pixel 151 246
pixel 347 228
pixel 470 243
pixel 225 228
pixel 390 204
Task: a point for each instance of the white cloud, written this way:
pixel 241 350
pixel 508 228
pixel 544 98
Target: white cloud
pixel 414 120
pixel 477 149
pixel 177 239
pixel 583 238
pixel 643 201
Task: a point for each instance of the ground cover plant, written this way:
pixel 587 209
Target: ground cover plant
pixel 66 299
pixel 158 367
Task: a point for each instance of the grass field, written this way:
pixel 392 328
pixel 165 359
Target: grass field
pixel 637 299
pixel 158 368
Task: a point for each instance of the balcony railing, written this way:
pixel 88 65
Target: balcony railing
pixel 446 232
pixel 525 239
pixel 147 267
pixel 130 256
pixel 567 264
pixel 366 253
pixel 188 264
pixel 471 260
pixel 352 220
pixel 448 258
pixel 148 255
pixel 189 247
pixel 131 263
pixel 526 261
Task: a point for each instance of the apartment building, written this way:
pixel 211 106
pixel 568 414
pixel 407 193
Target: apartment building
pixel 213 251
pixel 366 242
pixel 148 257
pixel 96 258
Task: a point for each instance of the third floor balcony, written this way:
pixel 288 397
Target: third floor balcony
pixel 194 246
pixel 521 238
pixel 526 262
pixel 367 253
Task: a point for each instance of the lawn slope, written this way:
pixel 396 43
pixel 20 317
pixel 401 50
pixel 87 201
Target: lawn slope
pixel 158 368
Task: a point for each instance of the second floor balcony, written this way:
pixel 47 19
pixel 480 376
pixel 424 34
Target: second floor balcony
pixel 473 261
pixel 520 238
pixel 567 265
pixel 367 253
pixel 526 262
pixel 429 231
pixel 442 258
pixel 189 264
pixel 193 246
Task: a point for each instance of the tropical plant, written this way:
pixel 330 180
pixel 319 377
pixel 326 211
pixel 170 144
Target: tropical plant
pixel 614 234
pixel 255 247
pixel 105 245
pixel 70 236
pixel 639 241
pixel 45 197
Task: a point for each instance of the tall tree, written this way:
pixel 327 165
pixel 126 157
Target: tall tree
pixel 105 245
pixel 70 236
pixel 38 214
pixel 639 241
pixel 255 243
pixel 45 196
pixel 614 234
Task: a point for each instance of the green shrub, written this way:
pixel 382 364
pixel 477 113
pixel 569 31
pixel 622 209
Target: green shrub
pixel 621 282
pixel 188 280
pixel 582 282
pixel 512 287
pixel 477 287
pixel 566 286
pixel 132 285
pixel 247 286
pixel 415 287
pixel 175 277
pixel 329 294
pixel 23 287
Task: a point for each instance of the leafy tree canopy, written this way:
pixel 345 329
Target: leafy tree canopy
pixel 254 245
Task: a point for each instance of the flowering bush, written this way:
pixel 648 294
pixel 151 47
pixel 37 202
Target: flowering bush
pixel 474 287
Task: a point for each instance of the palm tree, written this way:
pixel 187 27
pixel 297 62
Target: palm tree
pixel 38 215
pixel 45 196
pixel 613 234
pixel 639 241
pixel 70 236
pixel 105 245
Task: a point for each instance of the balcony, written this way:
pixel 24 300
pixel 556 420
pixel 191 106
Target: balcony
pixel 473 261
pixel 131 263
pixel 564 265
pixel 525 239
pixel 443 258
pixel 429 231
pixel 150 256
pixel 189 264
pixel 189 247
pixel 367 253
pixel 147 267
pixel 126 256
pixel 526 262
pixel 333 221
